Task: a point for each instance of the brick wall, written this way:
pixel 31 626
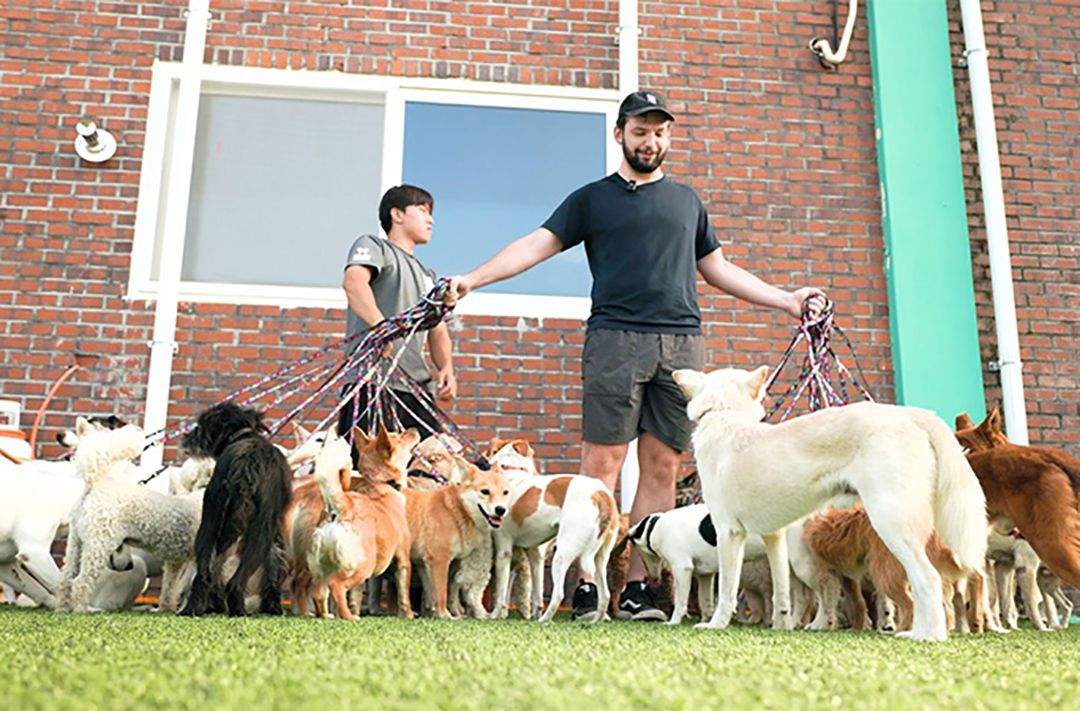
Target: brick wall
pixel 1033 52
pixel 781 150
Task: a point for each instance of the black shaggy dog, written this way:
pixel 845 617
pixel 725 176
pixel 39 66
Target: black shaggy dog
pixel 242 506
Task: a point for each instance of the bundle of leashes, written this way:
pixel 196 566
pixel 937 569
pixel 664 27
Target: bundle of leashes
pixel 323 374
pixel 820 365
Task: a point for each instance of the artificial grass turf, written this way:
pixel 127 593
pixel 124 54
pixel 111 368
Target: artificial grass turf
pixel 126 660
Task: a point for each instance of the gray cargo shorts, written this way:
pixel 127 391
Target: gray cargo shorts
pixel 628 388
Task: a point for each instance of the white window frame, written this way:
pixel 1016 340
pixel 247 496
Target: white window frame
pixel 394 92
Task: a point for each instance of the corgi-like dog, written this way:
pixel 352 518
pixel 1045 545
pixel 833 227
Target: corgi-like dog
pixel 371 530
pixel 756 477
pixel 450 523
pixel 577 511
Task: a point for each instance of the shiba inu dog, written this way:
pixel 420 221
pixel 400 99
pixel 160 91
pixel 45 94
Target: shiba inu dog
pixel 449 523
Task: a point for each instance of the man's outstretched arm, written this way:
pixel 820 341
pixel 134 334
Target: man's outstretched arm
pixel 741 284
pixel 521 254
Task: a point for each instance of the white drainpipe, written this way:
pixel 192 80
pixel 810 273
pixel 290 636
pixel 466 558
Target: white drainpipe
pixel 172 245
pixel 627 39
pixel 997 234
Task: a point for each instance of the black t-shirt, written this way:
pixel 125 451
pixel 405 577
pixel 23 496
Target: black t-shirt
pixel 643 246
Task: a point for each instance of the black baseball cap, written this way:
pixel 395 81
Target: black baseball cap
pixel 642 102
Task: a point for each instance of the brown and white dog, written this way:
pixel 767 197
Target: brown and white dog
pixel 1034 489
pixel 371 516
pixel 578 512
pixel 450 523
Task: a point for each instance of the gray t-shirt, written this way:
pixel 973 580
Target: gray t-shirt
pixel 398 281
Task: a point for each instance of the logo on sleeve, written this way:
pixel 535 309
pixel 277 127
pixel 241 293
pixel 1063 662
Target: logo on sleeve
pixel 362 254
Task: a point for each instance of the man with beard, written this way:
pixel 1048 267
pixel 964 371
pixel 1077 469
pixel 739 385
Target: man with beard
pixel 646 238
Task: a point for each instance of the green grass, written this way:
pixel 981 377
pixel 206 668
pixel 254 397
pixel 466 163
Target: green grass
pixel 110 661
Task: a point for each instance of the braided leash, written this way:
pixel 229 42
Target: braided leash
pixel 815 380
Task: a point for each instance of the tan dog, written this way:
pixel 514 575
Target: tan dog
pixel 374 507
pixel 847 545
pixel 448 524
pixel 432 459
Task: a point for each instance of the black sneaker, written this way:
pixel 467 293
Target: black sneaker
pixel 586 601
pixel 639 603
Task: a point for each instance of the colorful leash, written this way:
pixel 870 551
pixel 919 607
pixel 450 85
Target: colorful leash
pixel 816 378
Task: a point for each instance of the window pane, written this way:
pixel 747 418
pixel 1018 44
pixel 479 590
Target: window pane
pixel 280 189
pixel 497 174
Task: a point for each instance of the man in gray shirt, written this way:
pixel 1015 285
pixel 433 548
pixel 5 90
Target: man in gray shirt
pixel 383 278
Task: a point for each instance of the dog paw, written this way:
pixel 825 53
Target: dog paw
pixel 708 626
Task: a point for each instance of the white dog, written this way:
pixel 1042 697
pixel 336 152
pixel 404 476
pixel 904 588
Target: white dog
pixel 903 462
pixel 683 540
pixel 577 511
pixel 36 501
pixel 113 511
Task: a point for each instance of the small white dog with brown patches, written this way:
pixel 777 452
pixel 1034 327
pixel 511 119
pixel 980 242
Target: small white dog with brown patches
pixel 577 511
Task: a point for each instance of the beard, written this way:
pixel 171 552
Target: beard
pixel 643 165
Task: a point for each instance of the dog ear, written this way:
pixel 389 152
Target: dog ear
pixel 757 381
pixel 522 447
pixel 407 439
pixel 963 422
pixel 465 471
pixel 993 421
pixel 689 381
pixel 360 437
pixel 496 444
pixel 82 427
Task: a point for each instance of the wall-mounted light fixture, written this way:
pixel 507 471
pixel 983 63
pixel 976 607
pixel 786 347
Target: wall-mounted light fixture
pixel 93 144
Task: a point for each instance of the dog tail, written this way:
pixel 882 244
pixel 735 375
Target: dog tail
pixel 333 495
pixel 959 502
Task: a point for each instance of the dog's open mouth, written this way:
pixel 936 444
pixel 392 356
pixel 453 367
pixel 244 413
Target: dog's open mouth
pixel 493 521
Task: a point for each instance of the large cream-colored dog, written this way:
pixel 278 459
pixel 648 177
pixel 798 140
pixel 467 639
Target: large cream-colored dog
pixel 757 478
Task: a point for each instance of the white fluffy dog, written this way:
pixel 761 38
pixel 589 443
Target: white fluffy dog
pixel 113 511
pixel 36 500
pixel 903 462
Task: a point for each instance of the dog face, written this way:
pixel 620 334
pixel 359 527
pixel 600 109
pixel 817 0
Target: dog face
pixel 514 455
pixel 486 491
pixel 99 450
pixel 435 454
pixel 384 458
pixel 70 438
pixel 729 389
pixel 307 446
pixel 217 427
pixel 986 436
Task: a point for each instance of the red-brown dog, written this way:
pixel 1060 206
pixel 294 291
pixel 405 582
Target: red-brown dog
pixel 1035 489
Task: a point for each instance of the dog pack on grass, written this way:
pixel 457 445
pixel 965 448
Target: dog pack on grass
pixel 857 516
